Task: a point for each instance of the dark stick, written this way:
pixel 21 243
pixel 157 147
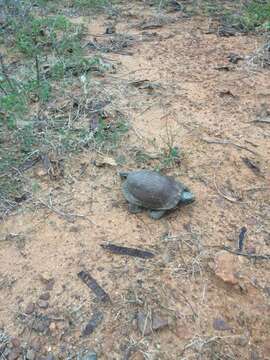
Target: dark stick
pixel 242 238
pixel 250 256
pixel 121 250
pixel 37 70
pixel 94 286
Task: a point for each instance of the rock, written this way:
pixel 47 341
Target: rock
pixel 30 354
pixel 15 342
pixel 45 296
pixel 14 354
pixel 221 325
pixel 30 308
pixel 43 304
pixel 146 324
pixel 226 267
pixel 90 355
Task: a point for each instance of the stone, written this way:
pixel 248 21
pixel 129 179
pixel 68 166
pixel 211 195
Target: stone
pixel 90 355
pixel 30 308
pixel 221 325
pixel 30 354
pixel 14 354
pixel 225 267
pixel 146 325
pixel 43 304
pixel 15 342
pixel 45 296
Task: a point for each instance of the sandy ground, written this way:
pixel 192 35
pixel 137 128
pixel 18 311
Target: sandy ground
pixel 210 114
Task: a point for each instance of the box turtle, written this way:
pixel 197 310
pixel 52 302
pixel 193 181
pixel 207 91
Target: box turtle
pixel 150 190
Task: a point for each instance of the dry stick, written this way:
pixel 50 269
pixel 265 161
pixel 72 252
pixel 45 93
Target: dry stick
pixel 251 256
pixel 63 214
pixel 228 142
pixel 266 121
pixel 229 198
pixel 37 70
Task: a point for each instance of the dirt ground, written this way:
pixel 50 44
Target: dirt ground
pixel 207 105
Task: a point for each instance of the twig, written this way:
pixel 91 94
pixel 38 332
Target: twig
pixel 265 120
pixel 37 70
pixel 67 216
pixel 250 256
pixel 229 198
pixel 228 142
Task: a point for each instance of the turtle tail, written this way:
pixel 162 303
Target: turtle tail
pixel 123 175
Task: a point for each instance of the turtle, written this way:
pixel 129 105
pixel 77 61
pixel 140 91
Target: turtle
pixel 146 189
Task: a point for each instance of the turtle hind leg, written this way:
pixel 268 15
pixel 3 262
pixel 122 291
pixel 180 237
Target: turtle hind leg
pixel 156 214
pixel 134 209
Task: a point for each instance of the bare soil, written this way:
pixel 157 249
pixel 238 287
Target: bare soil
pixel 209 111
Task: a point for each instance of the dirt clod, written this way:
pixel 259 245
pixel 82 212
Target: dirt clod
pixel 226 267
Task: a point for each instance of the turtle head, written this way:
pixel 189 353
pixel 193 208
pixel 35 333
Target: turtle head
pixel 187 197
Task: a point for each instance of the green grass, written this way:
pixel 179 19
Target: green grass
pixel 51 63
pixel 251 15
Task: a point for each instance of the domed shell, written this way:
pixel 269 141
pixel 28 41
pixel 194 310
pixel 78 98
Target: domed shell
pixel 151 190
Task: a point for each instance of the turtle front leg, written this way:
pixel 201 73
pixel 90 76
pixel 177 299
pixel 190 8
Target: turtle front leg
pixel 134 209
pixel 156 214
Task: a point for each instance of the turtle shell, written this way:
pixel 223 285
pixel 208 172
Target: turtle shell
pixel 151 190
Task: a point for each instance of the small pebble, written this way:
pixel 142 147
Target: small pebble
pixel 43 304
pixel 45 296
pixel 221 325
pixel 30 308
